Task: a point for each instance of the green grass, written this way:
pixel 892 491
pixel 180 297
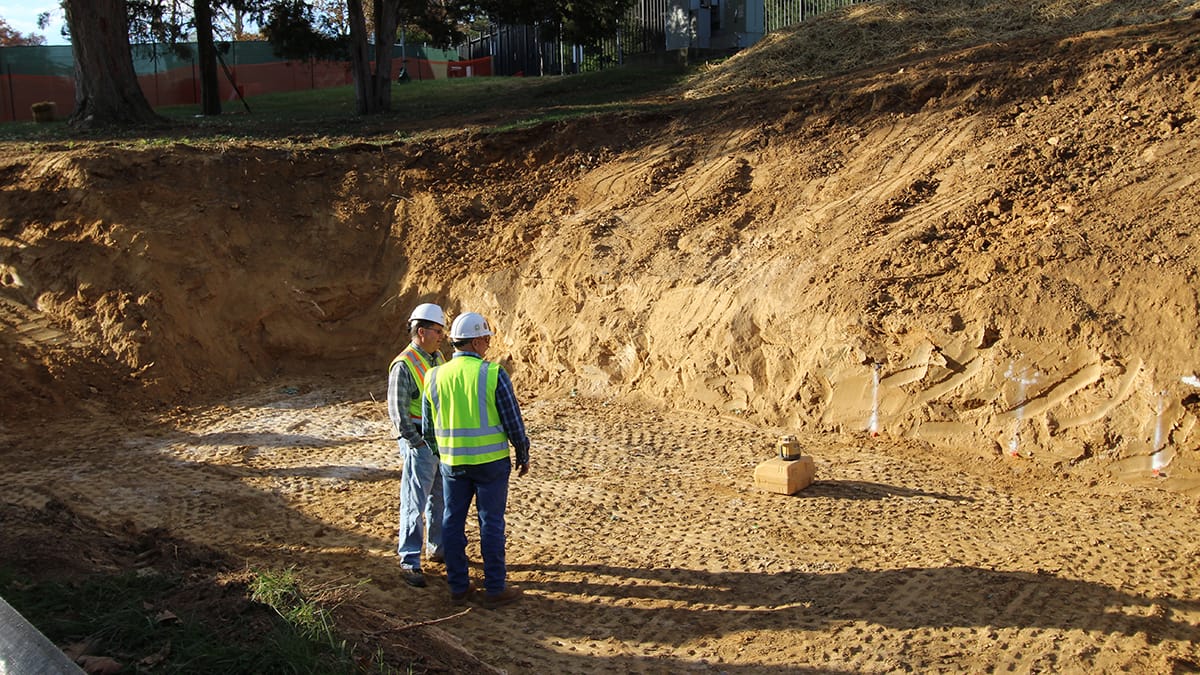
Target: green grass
pixel 121 616
pixel 310 617
pixel 419 107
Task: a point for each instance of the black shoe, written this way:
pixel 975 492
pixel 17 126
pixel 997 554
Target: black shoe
pixel 414 578
pixel 437 558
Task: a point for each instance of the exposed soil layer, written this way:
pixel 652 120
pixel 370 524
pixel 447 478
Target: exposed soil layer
pixel 967 281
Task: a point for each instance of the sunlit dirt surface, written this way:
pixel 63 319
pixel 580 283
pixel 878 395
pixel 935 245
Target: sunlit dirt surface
pixel 643 546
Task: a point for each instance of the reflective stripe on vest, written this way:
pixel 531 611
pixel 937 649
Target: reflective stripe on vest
pixel 466 422
pixel 418 367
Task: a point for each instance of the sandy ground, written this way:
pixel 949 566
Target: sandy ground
pixel 644 547
pixel 965 278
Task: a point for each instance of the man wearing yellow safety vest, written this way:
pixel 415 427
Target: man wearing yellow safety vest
pixel 420 484
pixel 471 410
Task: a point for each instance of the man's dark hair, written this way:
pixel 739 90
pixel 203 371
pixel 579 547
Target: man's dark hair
pixel 461 342
pixel 420 323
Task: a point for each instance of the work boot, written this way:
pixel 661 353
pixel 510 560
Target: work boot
pixel 504 597
pixel 413 577
pixel 464 597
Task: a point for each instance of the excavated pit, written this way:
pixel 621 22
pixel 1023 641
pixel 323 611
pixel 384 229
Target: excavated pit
pixel 968 285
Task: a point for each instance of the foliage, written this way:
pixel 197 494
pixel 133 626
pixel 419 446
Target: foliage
pixel 155 21
pixel 155 622
pixel 333 16
pixel 296 31
pixel 171 22
pixel 14 38
pixel 583 22
pixel 302 29
pixel 440 24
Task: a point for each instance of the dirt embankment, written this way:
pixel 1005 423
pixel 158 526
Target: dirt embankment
pixel 994 246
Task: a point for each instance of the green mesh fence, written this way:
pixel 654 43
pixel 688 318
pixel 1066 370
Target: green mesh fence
pixel 168 73
pixel 54 61
pixel 57 61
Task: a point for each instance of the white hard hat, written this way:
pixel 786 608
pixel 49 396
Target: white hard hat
pixel 428 312
pixel 469 325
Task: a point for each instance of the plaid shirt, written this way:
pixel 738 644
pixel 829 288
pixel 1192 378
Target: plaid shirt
pixel 506 405
pixel 403 390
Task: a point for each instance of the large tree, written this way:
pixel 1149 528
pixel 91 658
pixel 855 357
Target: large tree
pixel 373 86
pixel 373 30
pixel 206 56
pixel 106 85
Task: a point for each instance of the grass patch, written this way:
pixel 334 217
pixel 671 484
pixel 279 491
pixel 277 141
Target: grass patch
pixel 310 617
pixel 326 117
pixel 152 622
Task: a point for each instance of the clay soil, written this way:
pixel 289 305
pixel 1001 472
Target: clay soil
pixel 964 276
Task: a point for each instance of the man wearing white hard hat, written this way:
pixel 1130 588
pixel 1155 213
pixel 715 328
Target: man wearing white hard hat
pixel 471 410
pixel 421 503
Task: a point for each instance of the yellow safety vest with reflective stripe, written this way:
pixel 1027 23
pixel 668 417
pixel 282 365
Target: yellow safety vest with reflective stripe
pixel 418 366
pixel 466 422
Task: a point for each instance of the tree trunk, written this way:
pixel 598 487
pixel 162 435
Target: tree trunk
pixel 387 19
pixel 360 57
pixel 373 86
pixel 106 87
pixel 206 53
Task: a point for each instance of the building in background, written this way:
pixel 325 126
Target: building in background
pixel 652 29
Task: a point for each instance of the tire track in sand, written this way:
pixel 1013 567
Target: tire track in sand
pixel 643 546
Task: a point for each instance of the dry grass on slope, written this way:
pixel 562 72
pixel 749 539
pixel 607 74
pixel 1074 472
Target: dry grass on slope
pixel 877 32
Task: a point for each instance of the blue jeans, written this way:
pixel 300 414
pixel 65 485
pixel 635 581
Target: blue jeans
pixel 487 484
pixel 420 505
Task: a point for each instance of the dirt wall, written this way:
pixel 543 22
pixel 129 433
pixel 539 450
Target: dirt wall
pixel 992 248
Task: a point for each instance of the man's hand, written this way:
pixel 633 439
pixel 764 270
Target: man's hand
pixel 522 469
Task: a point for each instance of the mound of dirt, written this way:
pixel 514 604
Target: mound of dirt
pixel 868 34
